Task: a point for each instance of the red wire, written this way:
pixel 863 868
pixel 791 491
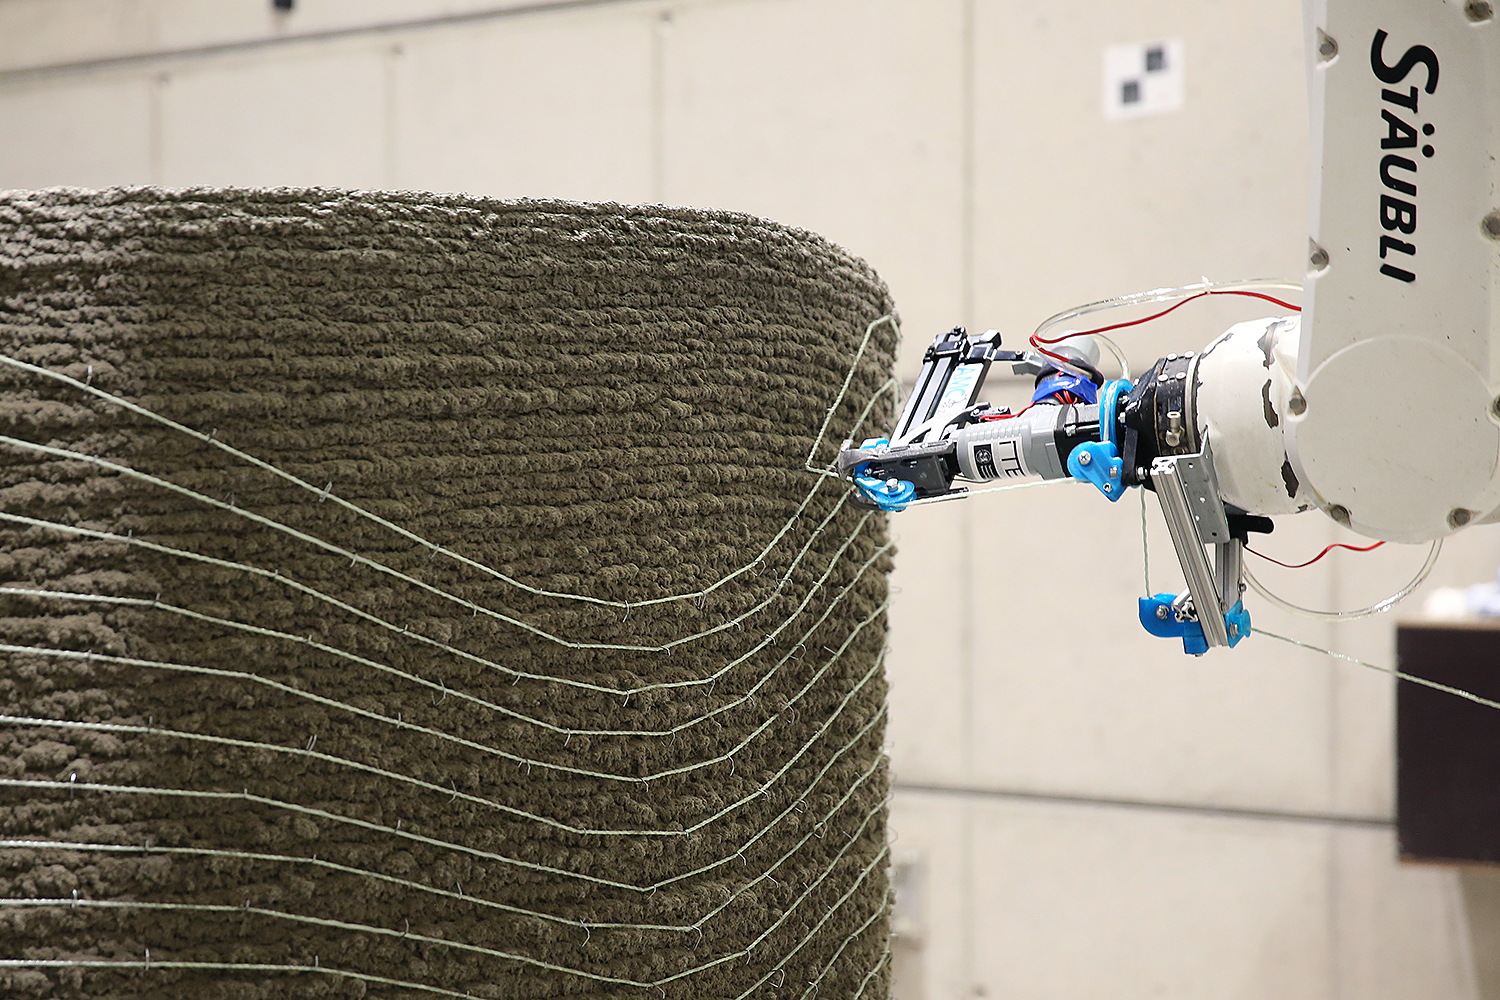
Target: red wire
pixel 1007 416
pixel 1037 342
pixel 1320 555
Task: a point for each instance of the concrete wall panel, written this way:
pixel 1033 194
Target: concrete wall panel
pixel 86 132
pixel 35 33
pixel 506 109
pixel 1093 902
pixel 45 32
pixel 930 711
pixel 931 879
pixel 301 117
pixel 841 117
pixel 1071 695
pixel 1400 930
pixel 1071 206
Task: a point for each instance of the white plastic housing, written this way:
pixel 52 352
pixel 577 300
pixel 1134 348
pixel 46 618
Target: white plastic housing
pixel 1244 382
pixel 1395 427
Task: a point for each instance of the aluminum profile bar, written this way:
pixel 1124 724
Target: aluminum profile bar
pixel 1229 561
pixel 1183 527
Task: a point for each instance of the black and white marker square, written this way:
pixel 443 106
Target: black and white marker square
pixel 1142 78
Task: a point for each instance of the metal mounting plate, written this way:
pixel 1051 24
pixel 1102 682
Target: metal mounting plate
pixel 1196 472
pixel 1190 531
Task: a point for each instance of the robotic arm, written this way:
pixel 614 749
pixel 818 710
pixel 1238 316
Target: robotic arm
pixel 1379 405
pixel 1113 434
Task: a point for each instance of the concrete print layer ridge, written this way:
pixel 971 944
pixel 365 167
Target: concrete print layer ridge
pixel 446 693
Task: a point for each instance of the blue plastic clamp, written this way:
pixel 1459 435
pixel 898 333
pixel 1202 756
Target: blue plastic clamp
pixel 890 495
pixel 1157 618
pixel 1064 382
pixel 1099 462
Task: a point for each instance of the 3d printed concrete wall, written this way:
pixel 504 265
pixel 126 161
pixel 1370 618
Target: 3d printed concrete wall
pixel 412 596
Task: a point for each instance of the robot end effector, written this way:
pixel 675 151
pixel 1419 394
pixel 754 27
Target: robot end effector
pixel 1110 433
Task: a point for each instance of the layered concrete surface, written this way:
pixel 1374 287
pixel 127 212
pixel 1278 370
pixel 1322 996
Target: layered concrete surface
pixel 431 596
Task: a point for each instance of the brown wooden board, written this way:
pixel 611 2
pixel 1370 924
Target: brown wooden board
pixel 1447 747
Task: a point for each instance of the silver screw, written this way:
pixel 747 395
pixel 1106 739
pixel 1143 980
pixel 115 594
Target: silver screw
pixel 1173 435
pixel 1317 257
pixel 1297 404
pixel 1161 611
pixel 1339 513
pixel 1327 46
pixel 1085 458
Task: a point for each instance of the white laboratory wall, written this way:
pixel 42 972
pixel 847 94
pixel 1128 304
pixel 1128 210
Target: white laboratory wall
pixel 87 131
pixel 316 116
pixel 1080 809
pixel 843 117
pixel 562 105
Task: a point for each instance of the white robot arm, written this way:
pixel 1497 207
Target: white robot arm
pixel 1393 426
pixel 1379 404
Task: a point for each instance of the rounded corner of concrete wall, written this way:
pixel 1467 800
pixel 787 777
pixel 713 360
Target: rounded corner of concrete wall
pixel 434 596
